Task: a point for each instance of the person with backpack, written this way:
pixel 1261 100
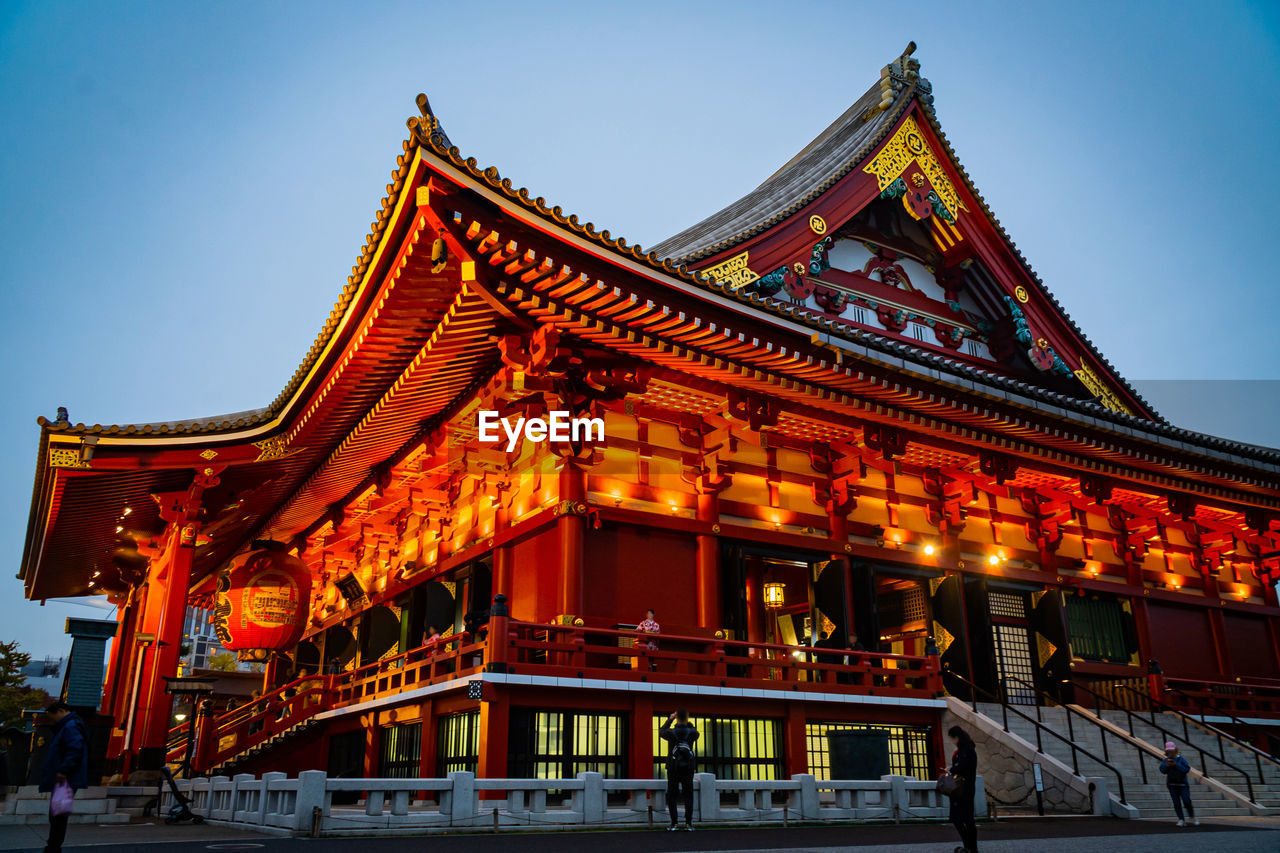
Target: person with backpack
pixel 680 766
pixel 66 762
pixel 1176 769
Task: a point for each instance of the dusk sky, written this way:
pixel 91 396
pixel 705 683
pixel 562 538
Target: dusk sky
pixel 185 187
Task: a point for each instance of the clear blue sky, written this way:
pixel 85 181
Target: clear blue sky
pixel 184 187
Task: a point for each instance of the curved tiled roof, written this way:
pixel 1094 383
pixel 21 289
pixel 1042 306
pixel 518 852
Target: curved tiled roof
pixel 823 161
pixel 829 157
pixel 833 154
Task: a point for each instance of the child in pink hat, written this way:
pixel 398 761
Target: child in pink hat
pixel 1176 771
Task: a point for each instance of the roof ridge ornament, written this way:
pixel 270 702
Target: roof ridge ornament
pixel 426 128
pixel 898 76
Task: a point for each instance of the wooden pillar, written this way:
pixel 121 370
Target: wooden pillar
pixel 372 743
pixel 755 605
pixel 170 593
pixel 430 739
pixel 206 737
pixel 124 651
pixel 641 737
pixel 838 524
pixel 1218 633
pixel 502 567
pixel 797 744
pixel 116 663
pixel 572 525
pixel 495 722
pixel 707 569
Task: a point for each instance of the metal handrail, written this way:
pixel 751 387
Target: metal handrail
pixel 1188 720
pixel 1040 727
pixel 1204 756
pixel 1204 707
pixel 1071 731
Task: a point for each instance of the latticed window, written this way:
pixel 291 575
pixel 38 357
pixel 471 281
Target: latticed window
pixel 1013 664
pixel 730 747
pixel 556 745
pixel 458 743
pixel 400 756
pixel 1097 628
pixel 908 748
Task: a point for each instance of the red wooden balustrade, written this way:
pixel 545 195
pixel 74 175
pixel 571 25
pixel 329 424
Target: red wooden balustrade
pixel 564 651
pixel 1255 697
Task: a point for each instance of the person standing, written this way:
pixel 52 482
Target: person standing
pixel 66 761
pixel 680 766
pixel 650 626
pixel 964 766
pixel 1176 770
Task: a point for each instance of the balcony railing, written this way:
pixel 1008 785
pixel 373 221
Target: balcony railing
pixel 575 651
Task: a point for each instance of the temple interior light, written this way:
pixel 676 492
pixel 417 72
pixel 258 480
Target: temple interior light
pixel 993 560
pixel 929 549
pixel 774 594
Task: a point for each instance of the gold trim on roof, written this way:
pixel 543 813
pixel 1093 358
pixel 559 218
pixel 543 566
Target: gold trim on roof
pixel 908 146
pixel 733 273
pixel 1095 386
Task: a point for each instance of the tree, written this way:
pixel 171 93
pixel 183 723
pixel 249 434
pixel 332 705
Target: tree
pixel 16 695
pixel 223 662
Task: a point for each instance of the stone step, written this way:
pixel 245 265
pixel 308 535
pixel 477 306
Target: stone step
pixel 23 819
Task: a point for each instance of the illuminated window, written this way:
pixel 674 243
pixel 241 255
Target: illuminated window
pixel 556 745
pixel 730 747
pixel 908 748
pixel 400 756
pixel 458 743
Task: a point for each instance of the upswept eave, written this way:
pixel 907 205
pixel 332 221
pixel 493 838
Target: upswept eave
pixel 427 143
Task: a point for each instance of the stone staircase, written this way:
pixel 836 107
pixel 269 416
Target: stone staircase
pixel 1266 789
pixel 98 804
pixel 1150 798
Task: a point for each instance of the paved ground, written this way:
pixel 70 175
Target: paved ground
pixel 1078 835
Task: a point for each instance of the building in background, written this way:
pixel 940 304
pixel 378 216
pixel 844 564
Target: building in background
pixel 200 639
pixel 45 674
pixel 851 440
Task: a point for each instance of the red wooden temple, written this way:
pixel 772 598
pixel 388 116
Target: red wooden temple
pixel 845 404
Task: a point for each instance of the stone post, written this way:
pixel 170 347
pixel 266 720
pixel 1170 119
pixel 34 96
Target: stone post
pixel 311 794
pixel 707 797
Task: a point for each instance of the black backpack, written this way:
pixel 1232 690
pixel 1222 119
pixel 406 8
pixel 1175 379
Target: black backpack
pixel 682 757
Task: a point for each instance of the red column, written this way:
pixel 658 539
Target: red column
pixel 430 736
pixel 755 607
pixel 155 705
pixel 708 565
pixel 372 741
pixel 501 554
pixel 115 665
pixel 206 737
pixel 641 740
pixel 797 757
pixel 1218 630
pixel 573 491
pixel 495 720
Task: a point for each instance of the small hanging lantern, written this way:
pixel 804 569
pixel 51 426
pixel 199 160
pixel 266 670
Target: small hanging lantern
pixel 774 594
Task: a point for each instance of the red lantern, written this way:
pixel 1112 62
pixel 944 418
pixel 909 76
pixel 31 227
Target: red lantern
pixel 263 600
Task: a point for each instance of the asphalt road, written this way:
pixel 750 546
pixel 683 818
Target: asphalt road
pixel 1079 835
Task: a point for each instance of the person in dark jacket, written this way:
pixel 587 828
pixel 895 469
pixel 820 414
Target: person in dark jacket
pixel 964 766
pixel 66 761
pixel 1176 769
pixel 680 765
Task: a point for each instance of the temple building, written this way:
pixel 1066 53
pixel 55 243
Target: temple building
pixel 855 457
